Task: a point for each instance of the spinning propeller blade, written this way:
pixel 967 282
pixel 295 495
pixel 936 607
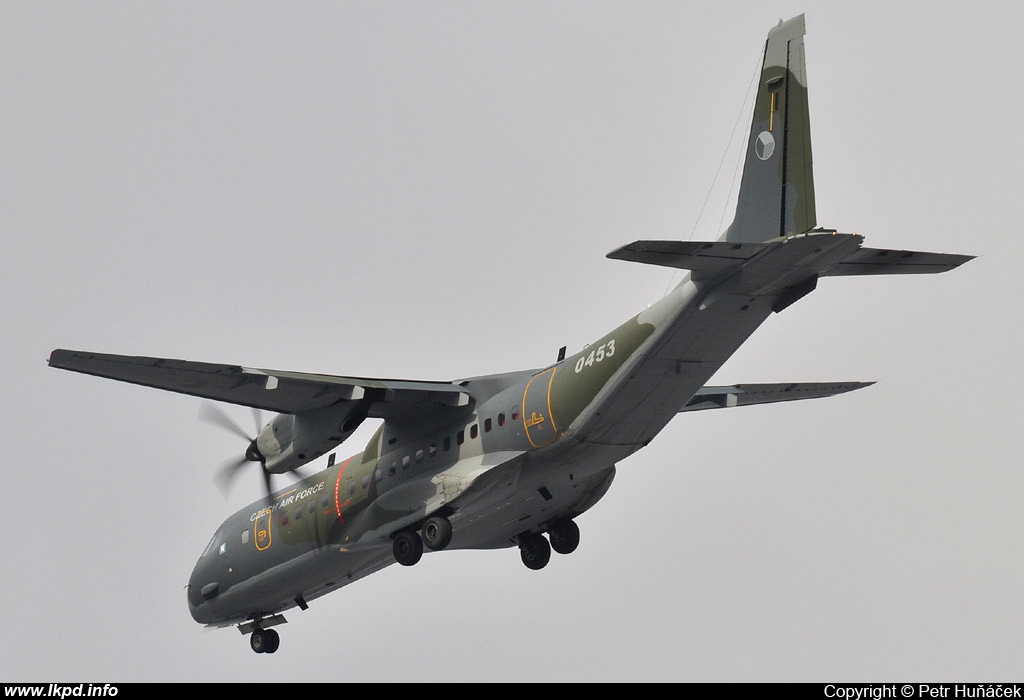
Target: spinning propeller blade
pixel 211 413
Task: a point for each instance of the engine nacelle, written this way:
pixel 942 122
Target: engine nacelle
pixel 290 440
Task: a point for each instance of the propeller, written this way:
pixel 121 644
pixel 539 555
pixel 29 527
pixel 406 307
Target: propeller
pixel 226 473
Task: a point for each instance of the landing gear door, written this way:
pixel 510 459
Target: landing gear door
pixel 540 428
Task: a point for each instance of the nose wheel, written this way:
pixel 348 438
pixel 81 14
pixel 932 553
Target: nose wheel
pixel 264 641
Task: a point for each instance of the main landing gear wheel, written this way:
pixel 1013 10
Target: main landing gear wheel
pixel 565 536
pixel 407 548
pixel 264 641
pixel 437 532
pixel 535 551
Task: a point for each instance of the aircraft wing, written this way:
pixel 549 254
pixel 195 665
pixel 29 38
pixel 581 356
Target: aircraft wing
pixel 281 392
pixel 752 394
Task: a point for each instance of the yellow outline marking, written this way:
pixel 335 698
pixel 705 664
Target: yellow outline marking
pixel 286 493
pixel 534 419
pixel 771 112
pixel 269 515
pixel 550 414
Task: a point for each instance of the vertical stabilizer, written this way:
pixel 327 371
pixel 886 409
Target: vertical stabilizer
pixel 776 196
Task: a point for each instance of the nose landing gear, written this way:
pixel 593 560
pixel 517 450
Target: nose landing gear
pixel 262 638
pixel 264 641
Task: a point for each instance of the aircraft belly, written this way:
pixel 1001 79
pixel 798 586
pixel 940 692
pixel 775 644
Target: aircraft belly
pixel 475 482
pixel 310 575
pixel 550 487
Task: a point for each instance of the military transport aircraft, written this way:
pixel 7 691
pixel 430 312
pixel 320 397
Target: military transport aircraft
pixel 510 460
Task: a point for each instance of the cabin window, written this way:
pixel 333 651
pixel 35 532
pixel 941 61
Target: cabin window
pixel 515 413
pixel 487 425
pixel 366 481
pixel 405 462
pixel 378 473
pixel 460 437
pixel 245 536
pixel 298 512
pixel 284 518
pixel 447 444
pixel 419 456
pixel 501 419
pixel 324 501
pixel 473 431
pixel 432 450
pixel 312 506
pixel 351 487
pixel 393 468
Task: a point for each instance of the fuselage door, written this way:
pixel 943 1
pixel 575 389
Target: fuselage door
pixel 261 529
pixel 540 428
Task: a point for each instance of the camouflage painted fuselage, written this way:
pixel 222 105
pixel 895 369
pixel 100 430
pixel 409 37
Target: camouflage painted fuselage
pixel 503 469
pixel 501 460
pixel 541 445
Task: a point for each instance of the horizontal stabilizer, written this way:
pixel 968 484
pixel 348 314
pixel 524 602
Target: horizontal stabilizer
pixel 753 394
pixel 879 261
pixel 706 259
pixel 699 256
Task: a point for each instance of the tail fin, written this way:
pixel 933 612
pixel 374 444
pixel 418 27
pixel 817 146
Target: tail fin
pixel 776 196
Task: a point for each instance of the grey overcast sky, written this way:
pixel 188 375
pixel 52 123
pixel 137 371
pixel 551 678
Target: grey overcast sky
pixel 428 191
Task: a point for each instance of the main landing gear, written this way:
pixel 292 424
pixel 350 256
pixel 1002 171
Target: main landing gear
pixel 535 550
pixel 435 533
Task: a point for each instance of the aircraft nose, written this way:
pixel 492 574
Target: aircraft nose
pixel 194 603
pixel 201 590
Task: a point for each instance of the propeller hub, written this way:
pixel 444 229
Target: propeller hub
pixel 253 454
pixel 213 414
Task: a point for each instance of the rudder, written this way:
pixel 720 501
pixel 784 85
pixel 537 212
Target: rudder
pixel 776 196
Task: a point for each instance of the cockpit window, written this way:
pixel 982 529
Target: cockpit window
pixel 215 543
